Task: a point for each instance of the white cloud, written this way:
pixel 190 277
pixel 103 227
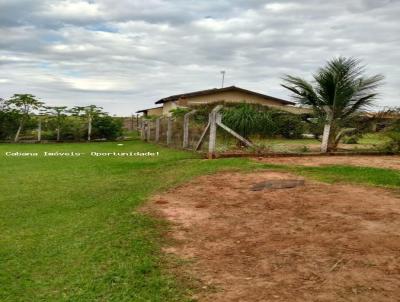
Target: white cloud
pixel 73 10
pixel 281 7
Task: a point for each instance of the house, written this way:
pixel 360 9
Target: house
pixel 231 94
pixel 156 111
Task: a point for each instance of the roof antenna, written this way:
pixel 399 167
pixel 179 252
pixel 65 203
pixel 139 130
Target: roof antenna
pixel 223 78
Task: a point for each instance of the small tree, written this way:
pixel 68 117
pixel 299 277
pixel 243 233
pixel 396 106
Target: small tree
pixel 59 112
pixel 9 120
pixel 339 91
pixel 88 112
pixel 25 104
pixel 107 127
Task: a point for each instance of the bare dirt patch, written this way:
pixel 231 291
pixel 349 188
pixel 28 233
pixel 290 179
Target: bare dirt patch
pixel 390 162
pixel 312 242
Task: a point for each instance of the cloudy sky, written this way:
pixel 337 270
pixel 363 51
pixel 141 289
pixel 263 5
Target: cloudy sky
pixel 126 54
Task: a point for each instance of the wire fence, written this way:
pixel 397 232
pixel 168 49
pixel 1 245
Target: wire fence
pixel 195 130
pixel 203 131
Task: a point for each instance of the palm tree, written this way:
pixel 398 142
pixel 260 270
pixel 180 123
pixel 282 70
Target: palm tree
pixel 339 91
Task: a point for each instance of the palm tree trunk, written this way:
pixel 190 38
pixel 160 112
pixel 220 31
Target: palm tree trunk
pixel 326 144
pixel 326 138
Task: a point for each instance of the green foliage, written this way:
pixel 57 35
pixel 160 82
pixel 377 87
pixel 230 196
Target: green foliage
pixel 244 119
pixel 179 112
pixel 268 126
pixel 352 139
pixel 247 120
pixel 315 126
pixel 107 127
pixel 72 128
pixel 9 120
pixel 393 134
pixel 289 125
pixel 22 112
pixel 338 92
pixel 24 103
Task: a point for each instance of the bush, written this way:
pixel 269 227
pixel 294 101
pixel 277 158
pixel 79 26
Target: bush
pixel 267 124
pixel 72 129
pixel 393 134
pixel 289 125
pixel 107 127
pixel 9 121
pixel 244 119
pixel 394 144
pixel 179 112
pixel 249 120
pixel 352 139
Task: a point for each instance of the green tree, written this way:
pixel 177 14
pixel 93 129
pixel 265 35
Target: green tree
pixel 8 120
pixel 59 112
pixel 339 91
pixel 88 112
pixel 107 127
pixel 24 104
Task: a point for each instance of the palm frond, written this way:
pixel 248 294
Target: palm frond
pixel 303 91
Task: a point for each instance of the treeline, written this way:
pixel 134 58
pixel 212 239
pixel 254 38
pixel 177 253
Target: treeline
pixel 24 117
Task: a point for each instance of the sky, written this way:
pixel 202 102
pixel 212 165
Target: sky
pixel 124 55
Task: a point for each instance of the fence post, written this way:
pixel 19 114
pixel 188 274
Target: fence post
pixel 169 130
pixel 148 131
pixel 142 130
pixel 213 131
pixel 157 138
pixel 185 143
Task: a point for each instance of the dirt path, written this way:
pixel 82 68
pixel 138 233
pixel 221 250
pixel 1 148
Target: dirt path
pixel 390 162
pixel 314 242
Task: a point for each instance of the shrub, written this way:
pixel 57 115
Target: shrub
pixel 9 121
pixel 244 119
pixel 72 128
pixel 393 134
pixel 179 112
pixel 107 127
pixel 267 124
pixel 289 125
pixel 247 120
pixel 352 139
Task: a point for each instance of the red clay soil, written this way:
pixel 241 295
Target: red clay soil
pixel 314 242
pixel 390 162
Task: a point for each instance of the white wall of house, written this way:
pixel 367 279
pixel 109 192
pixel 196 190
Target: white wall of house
pixel 167 107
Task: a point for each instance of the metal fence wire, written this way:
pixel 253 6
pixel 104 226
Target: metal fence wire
pixel 197 130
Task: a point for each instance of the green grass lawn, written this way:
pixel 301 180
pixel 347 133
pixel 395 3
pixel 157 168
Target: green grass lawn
pixel 371 176
pixel 368 142
pixel 68 226
pixel 378 138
